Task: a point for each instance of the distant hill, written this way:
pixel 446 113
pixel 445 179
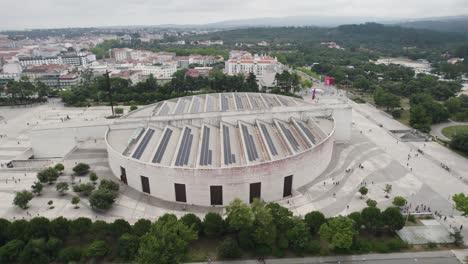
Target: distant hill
pixel 457 24
pixel 317 21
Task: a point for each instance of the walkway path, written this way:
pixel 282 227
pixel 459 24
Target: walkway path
pixel 436 130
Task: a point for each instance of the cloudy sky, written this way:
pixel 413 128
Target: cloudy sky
pixel 70 13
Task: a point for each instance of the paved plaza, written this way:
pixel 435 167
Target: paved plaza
pixel 384 158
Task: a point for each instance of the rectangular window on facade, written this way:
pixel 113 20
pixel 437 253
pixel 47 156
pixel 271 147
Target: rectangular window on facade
pixel 255 191
pixel 180 195
pixel 287 186
pixel 123 175
pixel 216 195
pixel 145 184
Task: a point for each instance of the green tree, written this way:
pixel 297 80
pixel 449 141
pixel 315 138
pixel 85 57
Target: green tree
pixel 93 177
pixel 419 118
pixel 75 201
pixel 109 185
pixel 37 188
pixel 80 226
pixel 49 175
pixel 102 199
pixel 22 199
pixel 229 249
pixel 4 224
pixel 70 254
pixel 120 227
pixel 96 249
pixel 239 215
pixel 460 142
pixel 59 227
pixel 81 169
pixel 461 203
pixel 85 188
pixel 339 232
pixel 62 187
pixel 393 218
pixel 363 191
pixel 371 203
pixel 371 218
pixel 59 167
pixel 387 189
pixel 127 247
pixel 18 229
pixel 264 227
pixel 38 227
pixel 314 220
pixel 53 247
pixel 192 221
pixel 10 252
pixel 34 252
pixel 213 225
pixel 298 236
pixel 399 201
pixel 167 242
pixel 141 227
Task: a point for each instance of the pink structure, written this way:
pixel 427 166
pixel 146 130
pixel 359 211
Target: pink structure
pixel 329 80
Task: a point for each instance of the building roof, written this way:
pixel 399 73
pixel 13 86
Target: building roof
pixel 220 130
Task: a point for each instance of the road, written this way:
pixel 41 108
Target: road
pixel 433 257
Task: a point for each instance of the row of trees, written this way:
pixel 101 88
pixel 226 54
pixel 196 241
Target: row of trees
pixel 93 89
pixel 24 92
pixel 260 228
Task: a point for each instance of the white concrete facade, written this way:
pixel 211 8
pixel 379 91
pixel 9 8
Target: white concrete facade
pixel 235 181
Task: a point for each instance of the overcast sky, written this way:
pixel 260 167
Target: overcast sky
pixel 16 14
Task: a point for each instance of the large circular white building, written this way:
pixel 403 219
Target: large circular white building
pixel 210 149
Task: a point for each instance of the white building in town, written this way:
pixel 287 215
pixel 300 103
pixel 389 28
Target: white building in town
pixel 264 67
pixel 159 71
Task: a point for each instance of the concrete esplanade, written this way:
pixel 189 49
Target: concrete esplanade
pixel 210 149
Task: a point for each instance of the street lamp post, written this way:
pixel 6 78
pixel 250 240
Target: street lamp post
pixel 106 75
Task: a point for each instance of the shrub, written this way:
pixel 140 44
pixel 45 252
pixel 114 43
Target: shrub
pixel 133 107
pixel 412 218
pixel 380 247
pixel 396 245
pixel 81 169
pixel 397 113
pixel 119 111
pixel 431 245
pixel 229 249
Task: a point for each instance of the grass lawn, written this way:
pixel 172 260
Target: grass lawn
pixel 454 130
pixel 405 117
